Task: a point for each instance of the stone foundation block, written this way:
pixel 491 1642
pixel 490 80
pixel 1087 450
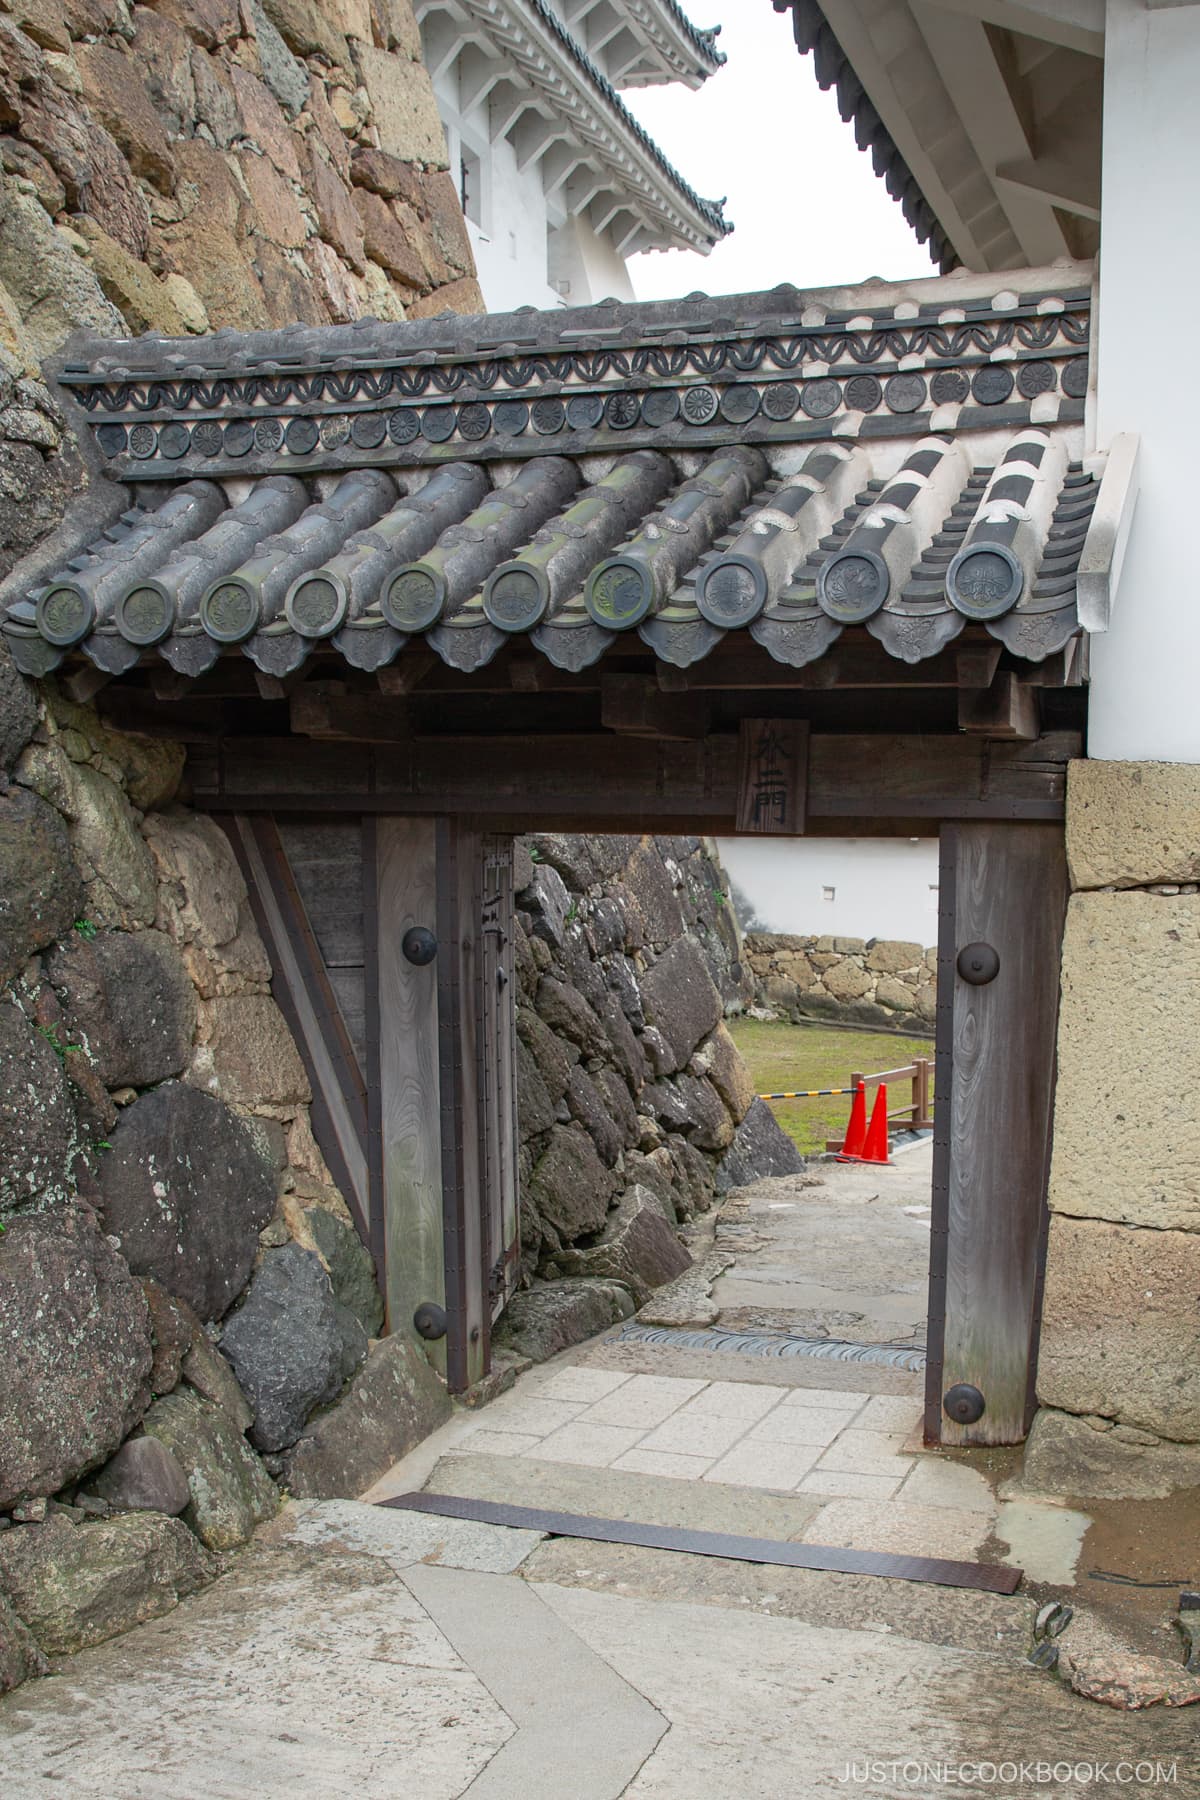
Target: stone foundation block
pixel 1120 1327
pixel 1132 823
pixel 1126 1127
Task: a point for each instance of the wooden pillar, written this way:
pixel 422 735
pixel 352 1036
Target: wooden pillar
pixel 1003 887
pixel 404 1088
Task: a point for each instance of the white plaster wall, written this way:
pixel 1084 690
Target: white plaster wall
pixel 883 887
pixel 1144 702
pixel 588 263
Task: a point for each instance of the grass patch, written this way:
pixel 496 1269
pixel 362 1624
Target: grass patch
pixel 782 1056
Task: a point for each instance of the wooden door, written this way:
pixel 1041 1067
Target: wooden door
pixel 497 1073
pixel 1003 887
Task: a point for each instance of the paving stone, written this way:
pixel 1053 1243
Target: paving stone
pixel 753 1463
pixel 695 1434
pixel 644 1401
pixel 590 1444
pixel 798 1425
pixel 403 1538
pixel 933 1481
pixel 580 1384
pixel 899 1529
pixel 847 1483
pixel 663 1462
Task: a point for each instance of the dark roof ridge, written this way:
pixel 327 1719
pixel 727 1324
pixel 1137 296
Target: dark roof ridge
pixel 833 69
pixel 704 37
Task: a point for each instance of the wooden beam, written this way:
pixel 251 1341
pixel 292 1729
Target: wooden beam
pixel 577 780
pixel 634 704
pixel 1007 709
pixel 324 710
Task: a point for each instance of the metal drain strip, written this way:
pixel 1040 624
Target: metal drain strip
pixel 989 1578
pixel 749 1343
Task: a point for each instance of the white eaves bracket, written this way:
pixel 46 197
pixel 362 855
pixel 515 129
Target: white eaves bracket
pixel 1103 554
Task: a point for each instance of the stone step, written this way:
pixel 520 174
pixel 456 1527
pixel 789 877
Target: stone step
pixel 962 1618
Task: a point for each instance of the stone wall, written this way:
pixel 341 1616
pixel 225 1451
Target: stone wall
pixel 1119 1371
pixel 635 1107
pixel 192 164
pixel 185 1308
pixel 878 982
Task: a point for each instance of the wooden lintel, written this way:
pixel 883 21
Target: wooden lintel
pixel 167 683
pixel 1007 709
pixel 633 704
pixel 325 710
pixel 867 782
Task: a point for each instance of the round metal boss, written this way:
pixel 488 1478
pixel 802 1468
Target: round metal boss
pixel 64 615
pixel 731 592
pixel 429 1321
pixel 852 586
pixel 963 1403
pixel 145 614
pixel 978 964
pixel 515 596
pixel 984 581
pixel 619 594
pixel 414 597
pixel 419 945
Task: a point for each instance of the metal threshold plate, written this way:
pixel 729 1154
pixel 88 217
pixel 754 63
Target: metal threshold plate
pixel 991 1578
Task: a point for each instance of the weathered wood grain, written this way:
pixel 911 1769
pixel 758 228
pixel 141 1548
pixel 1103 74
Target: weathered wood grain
pixel 308 1002
pixel 409 1084
pixel 772 793
pixel 1010 891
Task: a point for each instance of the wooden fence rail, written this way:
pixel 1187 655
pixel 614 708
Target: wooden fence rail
pixel 918 1114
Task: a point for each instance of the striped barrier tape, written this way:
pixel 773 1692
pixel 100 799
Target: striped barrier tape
pixel 808 1094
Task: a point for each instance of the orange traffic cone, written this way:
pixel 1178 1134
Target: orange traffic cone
pixel 875 1150
pixel 856 1130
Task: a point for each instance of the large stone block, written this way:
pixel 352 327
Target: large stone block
pixel 76 1585
pixel 760 1148
pixel 41 894
pixel 110 851
pixel 1093 1459
pixel 394 1401
pixel 143 1476
pixel 37 1120
pixel 1132 823
pixel 405 110
pixel 720 1059
pixel 127 998
pixel 251 1057
pixel 680 1000
pixel 637 1248
pixel 292 1344
pixel 186 1188
pixel 889 955
pixel 20 1658
pixel 570 1188
pixel 847 980
pixel 649 891
pixel 74 1349
pixel 1120 1329
pixel 351 1267
pixel 541 1321
pixel 564 1009
pixel 18 711
pixel 1126 1129
pixel 231 1492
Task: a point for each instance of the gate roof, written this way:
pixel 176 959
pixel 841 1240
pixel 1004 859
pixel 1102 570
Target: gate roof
pixel 779 467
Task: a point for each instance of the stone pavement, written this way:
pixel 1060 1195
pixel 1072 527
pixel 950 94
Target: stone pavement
pixel 358 1650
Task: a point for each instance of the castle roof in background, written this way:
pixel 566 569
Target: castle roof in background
pixel 547 65
pixel 982 117
pixel 778 468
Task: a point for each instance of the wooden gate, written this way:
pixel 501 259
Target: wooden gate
pixel 410 1048
pixel 1002 890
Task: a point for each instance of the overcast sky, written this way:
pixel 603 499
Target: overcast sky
pixel 806 202
pixel 808 208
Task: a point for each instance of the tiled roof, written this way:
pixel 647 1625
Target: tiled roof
pixel 704 38
pixel 780 466
pixel 832 69
pixel 710 210
pixel 793 555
